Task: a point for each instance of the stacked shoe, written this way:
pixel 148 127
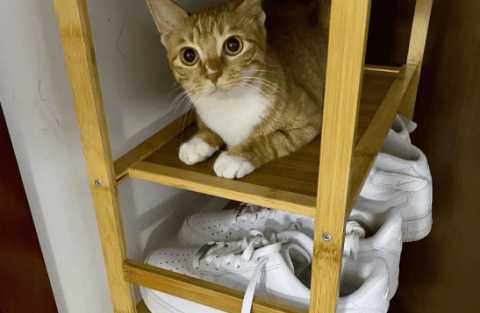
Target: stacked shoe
pixel 270 268
pixel 400 177
pixel 231 247
pixel 369 276
pixel 386 227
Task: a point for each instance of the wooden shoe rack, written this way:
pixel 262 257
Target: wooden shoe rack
pixel 321 180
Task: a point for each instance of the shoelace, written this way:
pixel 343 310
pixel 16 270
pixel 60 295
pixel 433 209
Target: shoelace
pixel 262 255
pixel 252 212
pixel 353 233
pixel 228 252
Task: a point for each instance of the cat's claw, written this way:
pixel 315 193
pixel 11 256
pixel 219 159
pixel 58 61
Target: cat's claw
pixel 229 166
pixel 195 151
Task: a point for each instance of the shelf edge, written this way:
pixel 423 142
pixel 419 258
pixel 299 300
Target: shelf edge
pixel 382 68
pixel 150 145
pixel 197 290
pixel 225 188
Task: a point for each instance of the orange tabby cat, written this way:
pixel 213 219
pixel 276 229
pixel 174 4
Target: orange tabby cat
pixel 260 96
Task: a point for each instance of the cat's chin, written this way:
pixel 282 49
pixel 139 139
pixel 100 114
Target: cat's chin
pixel 218 92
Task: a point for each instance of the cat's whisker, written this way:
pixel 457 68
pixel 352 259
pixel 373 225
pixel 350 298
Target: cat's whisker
pixel 173 90
pixel 186 97
pixel 254 71
pixel 188 106
pixel 266 83
pixel 267 96
pixel 186 112
pixel 175 100
pixel 269 84
pixel 178 100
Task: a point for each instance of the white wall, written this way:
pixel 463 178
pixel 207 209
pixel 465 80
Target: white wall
pixel 37 103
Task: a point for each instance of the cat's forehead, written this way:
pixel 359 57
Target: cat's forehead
pixel 207 24
pixel 211 25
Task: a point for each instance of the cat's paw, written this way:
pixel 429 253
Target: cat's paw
pixel 229 166
pixel 195 151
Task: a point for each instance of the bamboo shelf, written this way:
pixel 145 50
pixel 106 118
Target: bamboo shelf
pixel 320 180
pixel 288 183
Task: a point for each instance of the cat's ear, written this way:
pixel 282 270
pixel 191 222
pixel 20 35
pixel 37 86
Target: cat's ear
pixel 168 16
pixel 250 7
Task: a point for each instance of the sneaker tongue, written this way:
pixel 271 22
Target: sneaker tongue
pixel 244 208
pixel 299 238
pixel 296 258
pixel 219 248
pixel 202 252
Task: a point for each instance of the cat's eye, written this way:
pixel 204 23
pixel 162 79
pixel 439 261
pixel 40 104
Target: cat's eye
pixel 233 45
pixel 189 56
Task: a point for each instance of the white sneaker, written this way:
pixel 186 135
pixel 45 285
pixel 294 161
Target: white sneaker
pixel 233 225
pixel 269 269
pixel 403 126
pixel 238 265
pixel 400 177
pixel 385 241
pixel 363 287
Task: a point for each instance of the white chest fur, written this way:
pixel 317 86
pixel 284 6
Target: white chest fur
pixel 232 115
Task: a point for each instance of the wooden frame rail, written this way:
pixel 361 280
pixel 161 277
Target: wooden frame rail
pixel 74 26
pixel 371 142
pixel 346 59
pixel 418 39
pixel 152 144
pixel 229 189
pixel 197 290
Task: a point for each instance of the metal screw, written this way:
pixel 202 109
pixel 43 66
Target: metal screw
pixel 326 237
pixel 98 183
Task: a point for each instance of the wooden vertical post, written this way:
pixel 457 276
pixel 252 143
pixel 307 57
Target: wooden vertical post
pixel 346 58
pixel 74 26
pixel 418 39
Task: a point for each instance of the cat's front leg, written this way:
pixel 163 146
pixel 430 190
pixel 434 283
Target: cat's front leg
pixel 254 152
pixel 202 146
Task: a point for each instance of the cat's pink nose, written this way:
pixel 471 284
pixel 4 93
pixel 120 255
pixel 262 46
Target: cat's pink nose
pixel 213 76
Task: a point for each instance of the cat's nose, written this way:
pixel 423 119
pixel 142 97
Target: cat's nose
pixel 213 76
pixel 213 71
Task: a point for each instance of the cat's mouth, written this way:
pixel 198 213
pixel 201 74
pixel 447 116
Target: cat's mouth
pixel 217 89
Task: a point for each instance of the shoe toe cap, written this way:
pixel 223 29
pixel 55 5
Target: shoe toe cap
pixel 174 259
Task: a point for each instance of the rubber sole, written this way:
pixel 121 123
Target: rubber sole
pixel 155 304
pixel 392 287
pixel 414 230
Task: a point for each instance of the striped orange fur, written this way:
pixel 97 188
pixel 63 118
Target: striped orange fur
pixel 255 74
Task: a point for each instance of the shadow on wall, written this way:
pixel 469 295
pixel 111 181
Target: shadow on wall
pixel 155 214
pixel 137 87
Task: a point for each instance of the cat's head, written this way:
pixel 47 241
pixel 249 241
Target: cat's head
pixel 214 50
